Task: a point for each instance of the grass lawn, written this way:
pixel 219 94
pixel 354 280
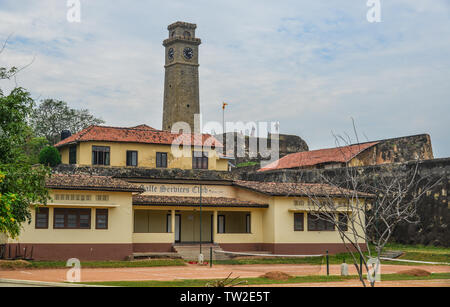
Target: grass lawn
pixel 421 253
pixel 92 264
pixel 263 281
pixel 416 252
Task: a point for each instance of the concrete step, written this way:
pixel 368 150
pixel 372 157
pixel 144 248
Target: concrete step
pixel 191 252
pixel 154 255
pixel 391 254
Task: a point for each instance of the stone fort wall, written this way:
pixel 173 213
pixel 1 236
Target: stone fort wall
pixel 433 209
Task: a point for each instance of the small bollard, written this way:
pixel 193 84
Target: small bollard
pixel 344 269
pixel 200 259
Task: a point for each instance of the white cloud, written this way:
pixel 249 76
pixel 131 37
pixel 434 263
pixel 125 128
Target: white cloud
pixel 311 64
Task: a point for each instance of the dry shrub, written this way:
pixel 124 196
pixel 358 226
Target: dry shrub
pixel 14 264
pixel 415 272
pixel 276 275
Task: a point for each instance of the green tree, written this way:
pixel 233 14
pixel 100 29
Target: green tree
pixel 33 148
pixel 21 184
pixel 50 156
pixel 53 116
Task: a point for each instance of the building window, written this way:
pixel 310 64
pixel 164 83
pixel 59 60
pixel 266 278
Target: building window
pixel 65 218
pixel 200 160
pixel 100 155
pixel 319 223
pixel 41 218
pixel 102 197
pixel 73 154
pixel 221 224
pixel 101 218
pixel 299 222
pixel 343 221
pixel 161 159
pixel 132 158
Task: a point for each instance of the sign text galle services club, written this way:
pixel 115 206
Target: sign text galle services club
pixel 180 189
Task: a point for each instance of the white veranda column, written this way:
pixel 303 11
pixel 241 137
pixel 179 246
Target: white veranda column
pixel 172 224
pixel 215 226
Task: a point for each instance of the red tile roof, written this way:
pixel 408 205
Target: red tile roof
pixel 138 134
pixel 189 201
pixel 88 182
pixel 145 127
pixel 314 157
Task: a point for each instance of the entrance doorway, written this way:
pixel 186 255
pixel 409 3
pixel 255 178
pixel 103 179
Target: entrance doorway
pixel 187 227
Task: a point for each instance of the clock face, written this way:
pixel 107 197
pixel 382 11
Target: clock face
pixel 171 53
pixel 188 53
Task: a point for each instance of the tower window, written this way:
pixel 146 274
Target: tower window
pixel 187 34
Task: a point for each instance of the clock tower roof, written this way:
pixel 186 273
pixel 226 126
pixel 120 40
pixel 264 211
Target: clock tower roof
pixel 190 40
pixel 182 32
pixel 182 24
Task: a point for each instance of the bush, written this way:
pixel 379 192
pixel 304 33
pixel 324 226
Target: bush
pixel 50 156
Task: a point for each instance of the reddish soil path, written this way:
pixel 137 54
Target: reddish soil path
pixel 400 283
pixel 195 272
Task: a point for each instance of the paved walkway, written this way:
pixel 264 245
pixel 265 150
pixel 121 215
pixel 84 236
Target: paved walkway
pixel 196 272
pixel 400 283
pixel 11 283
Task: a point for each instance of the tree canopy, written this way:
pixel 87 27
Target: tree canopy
pixel 50 156
pixel 21 184
pixel 53 116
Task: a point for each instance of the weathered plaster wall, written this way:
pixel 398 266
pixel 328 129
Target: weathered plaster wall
pixel 396 150
pixel 147 173
pixel 241 146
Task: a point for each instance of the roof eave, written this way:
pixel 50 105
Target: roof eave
pixel 108 189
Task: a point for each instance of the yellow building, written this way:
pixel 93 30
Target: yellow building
pixel 95 218
pixel 143 147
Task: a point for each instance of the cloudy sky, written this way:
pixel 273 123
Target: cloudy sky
pixel 311 65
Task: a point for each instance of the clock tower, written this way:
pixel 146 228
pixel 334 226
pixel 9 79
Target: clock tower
pixel 181 85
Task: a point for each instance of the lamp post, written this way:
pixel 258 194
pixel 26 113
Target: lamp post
pixel 200 219
pixel 223 116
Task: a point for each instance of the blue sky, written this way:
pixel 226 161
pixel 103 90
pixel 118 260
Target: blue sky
pixel 311 65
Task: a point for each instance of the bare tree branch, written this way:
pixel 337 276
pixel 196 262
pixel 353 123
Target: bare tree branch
pixel 366 212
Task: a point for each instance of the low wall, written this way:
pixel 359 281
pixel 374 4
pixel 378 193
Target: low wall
pixel 64 252
pixel 433 209
pixel 289 248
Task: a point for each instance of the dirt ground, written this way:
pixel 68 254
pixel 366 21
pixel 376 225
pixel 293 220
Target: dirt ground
pixel 402 283
pixel 198 272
